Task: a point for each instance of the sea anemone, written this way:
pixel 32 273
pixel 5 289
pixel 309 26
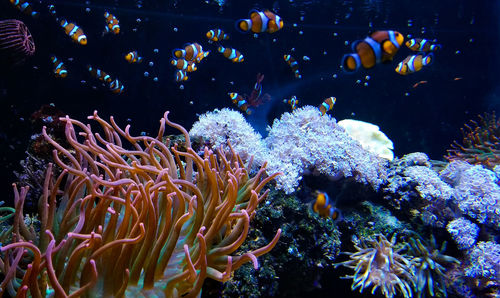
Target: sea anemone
pixel 378 262
pixel 480 144
pixel 429 263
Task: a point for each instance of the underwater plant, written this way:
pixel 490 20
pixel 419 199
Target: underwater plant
pixel 130 216
pixel 480 144
pixel 429 263
pixel 379 264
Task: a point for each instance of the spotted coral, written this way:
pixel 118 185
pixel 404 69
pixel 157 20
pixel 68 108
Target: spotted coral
pixel 377 262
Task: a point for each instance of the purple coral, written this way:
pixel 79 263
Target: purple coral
pixel 16 42
pixel 304 140
pixel 463 232
pixel 484 261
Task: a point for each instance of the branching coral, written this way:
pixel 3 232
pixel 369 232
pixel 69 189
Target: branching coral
pixel 377 262
pixel 131 216
pixel 480 144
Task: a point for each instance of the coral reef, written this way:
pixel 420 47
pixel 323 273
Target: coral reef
pixel 304 141
pixel 484 261
pixel 307 247
pixel 480 144
pixel 463 231
pixel 149 220
pixel 429 263
pixel 379 264
pixel 16 42
pixel 220 126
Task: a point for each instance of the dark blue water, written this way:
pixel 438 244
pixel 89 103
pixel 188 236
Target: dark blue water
pixel 427 119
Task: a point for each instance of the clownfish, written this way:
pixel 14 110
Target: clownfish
pixel 59 68
pixel 240 102
pixel 327 105
pixel 192 51
pixel 112 23
pixel 422 45
pixel 231 54
pixel 260 21
pixel 99 74
pixel 116 87
pixel 183 64
pixel 379 47
pixel 293 65
pixel 293 102
pixel 413 63
pixel 133 57
pixel 181 75
pixel 217 35
pixel 324 207
pixel 25 7
pixel 75 32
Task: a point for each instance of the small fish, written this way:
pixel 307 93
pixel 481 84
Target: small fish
pixel 25 7
pixel 260 21
pixel 112 23
pixel 324 207
pixel 293 102
pixel 231 54
pixel 99 74
pixel 327 105
pixel 181 75
pixel 240 102
pixel 75 32
pixel 379 47
pixel 217 35
pixel 116 87
pixel 419 83
pixel 59 68
pixel 413 63
pixel 293 65
pixel 52 9
pixel 133 57
pixel 190 52
pixel 422 45
pixel 183 64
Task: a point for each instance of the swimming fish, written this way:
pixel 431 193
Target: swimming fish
pixel 99 74
pixel 327 105
pixel 419 83
pixel 260 21
pixel 75 32
pixel 112 23
pixel 324 207
pixel 241 102
pixel 231 54
pixel 217 35
pixel 422 45
pixel 293 102
pixel 183 64
pixel 116 87
pixel 59 68
pixel 133 57
pixel 25 7
pixel 181 75
pixel 413 63
pixel 293 65
pixel 190 52
pixel 379 47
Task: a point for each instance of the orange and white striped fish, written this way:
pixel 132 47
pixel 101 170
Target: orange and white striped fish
pixel 260 21
pixel 75 32
pixel 413 63
pixel 191 52
pixel 25 7
pixel 183 64
pixel 133 57
pixel 59 68
pixel 231 54
pixel 112 23
pixel 324 207
pixel 217 35
pixel 327 105
pixel 293 65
